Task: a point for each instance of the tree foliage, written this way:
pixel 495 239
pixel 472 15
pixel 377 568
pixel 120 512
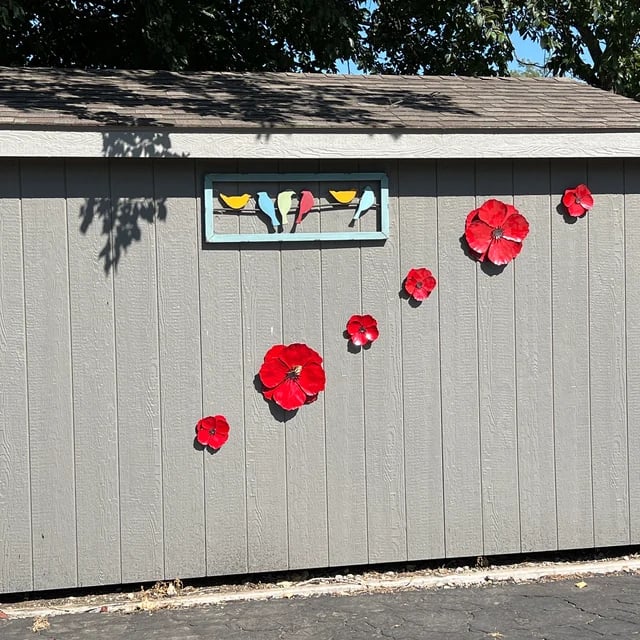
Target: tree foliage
pixel 597 41
pixel 231 35
pixel 445 37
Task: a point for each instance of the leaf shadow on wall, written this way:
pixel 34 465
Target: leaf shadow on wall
pixel 122 218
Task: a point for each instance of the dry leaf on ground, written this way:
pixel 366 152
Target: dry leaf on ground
pixel 40 624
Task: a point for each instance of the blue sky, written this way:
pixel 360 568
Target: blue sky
pixel 525 50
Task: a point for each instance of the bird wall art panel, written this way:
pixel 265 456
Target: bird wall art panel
pixel 292 207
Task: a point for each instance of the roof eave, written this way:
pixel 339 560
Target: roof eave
pixel 325 143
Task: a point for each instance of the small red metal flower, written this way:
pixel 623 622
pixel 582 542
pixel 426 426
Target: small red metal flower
pixel 495 231
pixel 419 283
pixel 362 330
pixel 577 201
pixel 212 431
pixel 292 375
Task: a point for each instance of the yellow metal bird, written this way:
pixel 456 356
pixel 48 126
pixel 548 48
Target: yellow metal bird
pixel 235 202
pixel 343 197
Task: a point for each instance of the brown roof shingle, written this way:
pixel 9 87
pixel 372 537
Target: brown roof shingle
pixel 208 100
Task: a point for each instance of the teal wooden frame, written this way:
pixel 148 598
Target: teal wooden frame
pixel 211 178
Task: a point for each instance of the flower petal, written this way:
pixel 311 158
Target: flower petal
pixel 569 197
pixel 222 426
pixel 428 285
pixel 369 321
pixel 478 235
pixel 275 352
pixel 299 354
pixel 202 436
pixel 503 251
pixel 584 195
pixel 410 285
pixel 575 209
pixel 218 438
pixel 420 293
pixel 515 227
pixel 272 372
pixel 312 378
pixel 493 212
pixel 359 339
pixel 372 333
pixel 353 325
pixel 470 218
pixel 289 395
pixel 430 282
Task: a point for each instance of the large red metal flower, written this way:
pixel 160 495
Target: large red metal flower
pixel 577 201
pixel 212 431
pixel 495 231
pixel 292 375
pixel 419 283
pixel 362 330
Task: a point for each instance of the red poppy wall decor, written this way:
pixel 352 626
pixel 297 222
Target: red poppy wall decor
pixel 292 375
pixel 362 330
pixel 419 283
pixel 212 431
pixel 577 201
pixel 495 232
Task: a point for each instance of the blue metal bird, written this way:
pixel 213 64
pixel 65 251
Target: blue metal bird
pixel 367 200
pixel 268 207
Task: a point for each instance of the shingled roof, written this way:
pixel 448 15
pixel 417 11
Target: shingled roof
pixel 71 99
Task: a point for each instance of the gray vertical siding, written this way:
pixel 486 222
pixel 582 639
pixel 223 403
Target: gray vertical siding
pixel 500 415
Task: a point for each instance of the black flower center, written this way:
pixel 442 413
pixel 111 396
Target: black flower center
pixel 498 232
pixel 361 330
pixel 212 431
pixel 294 374
pixel 418 285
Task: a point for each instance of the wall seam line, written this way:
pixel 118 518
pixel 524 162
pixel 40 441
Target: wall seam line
pixel 73 403
pixel 626 341
pixel 479 399
pixel 26 368
pixel 515 376
pixel 159 362
pixel 113 271
pixel 442 470
pixel 199 276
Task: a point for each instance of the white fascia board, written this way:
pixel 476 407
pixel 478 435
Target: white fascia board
pixel 104 143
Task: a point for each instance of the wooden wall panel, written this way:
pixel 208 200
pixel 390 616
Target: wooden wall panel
pixel 632 318
pixel 225 389
pixel 497 382
pixel 459 366
pixel 418 245
pixel 261 286
pixel 607 349
pixel 534 366
pixel 51 426
pixel 304 430
pixel 180 367
pixel 384 425
pixel 137 370
pixel 570 286
pixel 15 482
pixel 94 378
pixel 498 416
pixel 344 400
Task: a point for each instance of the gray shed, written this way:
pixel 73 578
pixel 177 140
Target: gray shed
pixel 501 415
